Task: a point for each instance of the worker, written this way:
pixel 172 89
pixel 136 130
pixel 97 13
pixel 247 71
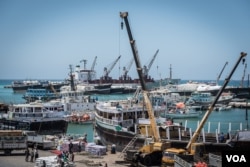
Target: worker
pixel 79 146
pixel 27 154
pixel 32 155
pixel 221 137
pixel 36 154
pixel 44 163
pixel 70 146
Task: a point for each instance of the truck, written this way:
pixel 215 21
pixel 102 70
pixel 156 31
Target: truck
pixel 12 140
pixel 41 141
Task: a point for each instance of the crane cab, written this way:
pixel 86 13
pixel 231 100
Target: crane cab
pixel 168 156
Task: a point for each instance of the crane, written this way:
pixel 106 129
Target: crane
pixel 243 76
pixel 218 78
pixel 148 155
pixel 125 70
pixel 147 68
pixel 93 64
pixel 209 111
pixel 107 71
pixel 91 72
pixel 124 16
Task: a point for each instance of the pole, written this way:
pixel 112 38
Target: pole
pixel 247 112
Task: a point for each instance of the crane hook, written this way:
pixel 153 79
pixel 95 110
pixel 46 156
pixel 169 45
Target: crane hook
pixel 243 61
pixel 122 25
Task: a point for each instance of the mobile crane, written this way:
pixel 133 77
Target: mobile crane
pixel 192 147
pixel 151 153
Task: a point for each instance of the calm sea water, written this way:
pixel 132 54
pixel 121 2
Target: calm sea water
pixel 234 119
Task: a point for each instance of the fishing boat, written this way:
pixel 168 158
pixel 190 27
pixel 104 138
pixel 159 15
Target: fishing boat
pixel 222 107
pixel 119 121
pixel 180 111
pixel 44 118
pixel 81 118
pixel 80 106
pixel 77 100
pixel 23 85
pixel 200 98
pixel 39 94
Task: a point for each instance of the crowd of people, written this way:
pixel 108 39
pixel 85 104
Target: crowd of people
pixel 62 158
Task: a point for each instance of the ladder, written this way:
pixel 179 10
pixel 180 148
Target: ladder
pixel 132 141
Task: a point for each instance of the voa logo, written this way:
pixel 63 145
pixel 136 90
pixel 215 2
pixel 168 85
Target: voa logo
pixel 236 158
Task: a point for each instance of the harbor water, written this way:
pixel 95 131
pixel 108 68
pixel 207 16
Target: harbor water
pixel 219 121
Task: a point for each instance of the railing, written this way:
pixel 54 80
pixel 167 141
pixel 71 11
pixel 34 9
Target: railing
pixel 124 123
pixel 213 127
pixel 210 133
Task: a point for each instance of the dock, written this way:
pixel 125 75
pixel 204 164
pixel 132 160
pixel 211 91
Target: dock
pixel 82 159
pixel 240 104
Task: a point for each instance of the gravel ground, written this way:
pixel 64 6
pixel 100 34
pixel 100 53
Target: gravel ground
pixel 17 159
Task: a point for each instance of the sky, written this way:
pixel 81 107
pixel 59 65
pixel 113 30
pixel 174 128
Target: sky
pixel 39 39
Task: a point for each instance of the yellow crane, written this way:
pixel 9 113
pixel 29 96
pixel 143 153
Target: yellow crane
pixel 151 153
pixel 192 147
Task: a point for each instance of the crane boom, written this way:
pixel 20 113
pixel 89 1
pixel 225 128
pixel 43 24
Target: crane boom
pixel 208 112
pixel 124 16
pixel 147 68
pixel 107 71
pixel 221 73
pixel 125 70
pixel 93 65
pixel 243 76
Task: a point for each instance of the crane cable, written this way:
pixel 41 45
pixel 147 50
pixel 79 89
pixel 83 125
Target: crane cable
pixel 119 45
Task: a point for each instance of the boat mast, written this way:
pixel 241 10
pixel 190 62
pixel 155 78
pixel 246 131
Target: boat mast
pixel 170 75
pixel 72 84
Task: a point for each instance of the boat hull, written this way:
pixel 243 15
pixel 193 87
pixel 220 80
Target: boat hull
pixel 182 115
pixel 109 136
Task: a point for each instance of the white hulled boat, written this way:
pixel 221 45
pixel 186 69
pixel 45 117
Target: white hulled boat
pixel 119 121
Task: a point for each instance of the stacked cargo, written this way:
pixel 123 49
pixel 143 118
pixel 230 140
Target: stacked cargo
pixel 94 149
